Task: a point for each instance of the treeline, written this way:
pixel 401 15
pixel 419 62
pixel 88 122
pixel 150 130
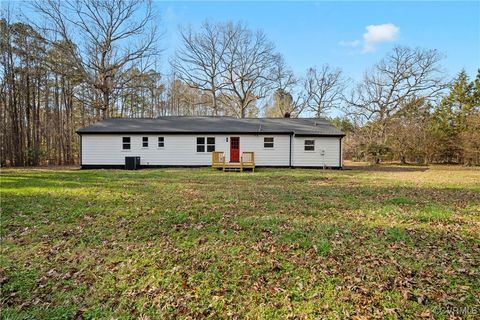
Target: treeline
pixel 422 132
pixel 404 110
pixel 89 60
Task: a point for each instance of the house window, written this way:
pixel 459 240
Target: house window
pixel 210 144
pixel 309 145
pixel 161 142
pixel 144 142
pixel 205 144
pixel 126 143
pixel 268 142
pixel 200 144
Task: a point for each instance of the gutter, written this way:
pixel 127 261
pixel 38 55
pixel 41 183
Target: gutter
pixel 211 132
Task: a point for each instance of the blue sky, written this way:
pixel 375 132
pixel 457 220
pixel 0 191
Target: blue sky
pixel 314 33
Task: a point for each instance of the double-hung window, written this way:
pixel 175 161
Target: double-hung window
pixel 268 142
pixel 210 144
pixel 200 144
pixel 205 144
pixel 161 142
pixel 309 145
pixel 126 143
pixel 144 142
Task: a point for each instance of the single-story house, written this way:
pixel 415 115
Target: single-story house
pixel 189 141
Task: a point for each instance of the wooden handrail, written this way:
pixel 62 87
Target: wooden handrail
pixel 247 160
pixel 248 157
pixel 218 158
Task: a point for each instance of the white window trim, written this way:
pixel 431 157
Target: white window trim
pixel 269 148
pixel 314 146
pixel 163 143
pixel 205 145
pixel 148 143
pixel 210 144
pixel 130 143
pixel 197 144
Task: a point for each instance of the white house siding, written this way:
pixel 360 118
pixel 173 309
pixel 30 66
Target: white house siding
pixel 331 146
pixel 180 149
pixel 276 156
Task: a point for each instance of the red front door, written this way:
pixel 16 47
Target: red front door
pixel 234 149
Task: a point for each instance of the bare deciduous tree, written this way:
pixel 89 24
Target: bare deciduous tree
pixel 249 61
pixel 324 88
pixel 403 75
pixel 235 66
pixel 200 60
pixel 285 85
pixel 282 76
pixel 104 39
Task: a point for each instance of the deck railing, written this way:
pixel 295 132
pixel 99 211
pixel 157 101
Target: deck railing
pixel 247 161
pixel 218 159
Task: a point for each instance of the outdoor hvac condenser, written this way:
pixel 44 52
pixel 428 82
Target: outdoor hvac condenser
pixel 132 163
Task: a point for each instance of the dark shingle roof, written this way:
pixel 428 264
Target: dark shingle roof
pixel 178 125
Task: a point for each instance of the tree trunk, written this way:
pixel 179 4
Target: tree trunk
pixel 106 104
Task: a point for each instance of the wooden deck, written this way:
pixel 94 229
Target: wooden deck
pixel 247 161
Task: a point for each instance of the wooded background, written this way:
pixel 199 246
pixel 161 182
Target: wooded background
pixel 82 61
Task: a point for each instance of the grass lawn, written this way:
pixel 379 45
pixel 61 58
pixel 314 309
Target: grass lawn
pixel 391 242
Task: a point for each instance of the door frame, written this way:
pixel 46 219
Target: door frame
pixel 231 141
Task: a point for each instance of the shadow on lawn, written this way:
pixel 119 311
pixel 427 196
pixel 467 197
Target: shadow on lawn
pixel 218 196
pixel 76 178
pixel 388 168
pixel 212 186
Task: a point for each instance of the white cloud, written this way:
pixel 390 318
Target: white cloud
pixel 379 33
pixel 375 35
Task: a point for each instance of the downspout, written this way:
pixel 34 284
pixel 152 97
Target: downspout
pixel 81 152
pixel 340 162
pixel 290 152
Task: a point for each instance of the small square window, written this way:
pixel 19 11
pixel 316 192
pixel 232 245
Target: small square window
pixel 268 142
pixel 126 143
pixel 309 145
pixel 161 142
pixel 200 140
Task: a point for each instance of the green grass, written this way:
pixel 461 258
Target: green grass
pixel 434 212
pixel 388 242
